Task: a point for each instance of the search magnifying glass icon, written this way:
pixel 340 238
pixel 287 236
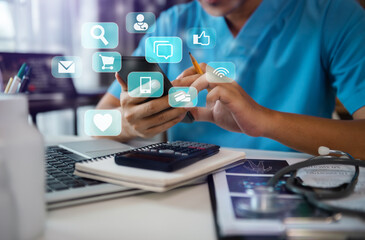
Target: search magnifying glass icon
pixel 100 35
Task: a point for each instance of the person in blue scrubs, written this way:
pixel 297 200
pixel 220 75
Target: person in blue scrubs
pixel 292 59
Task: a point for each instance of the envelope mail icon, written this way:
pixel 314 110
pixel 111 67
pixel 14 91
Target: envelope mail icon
pixel 66 67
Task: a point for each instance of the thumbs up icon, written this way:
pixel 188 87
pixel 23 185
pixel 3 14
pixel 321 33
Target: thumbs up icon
pixel 201 39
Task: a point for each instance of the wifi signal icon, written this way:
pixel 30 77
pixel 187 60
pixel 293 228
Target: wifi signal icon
pixel 221 72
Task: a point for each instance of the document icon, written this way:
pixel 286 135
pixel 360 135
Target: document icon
pixel 66 67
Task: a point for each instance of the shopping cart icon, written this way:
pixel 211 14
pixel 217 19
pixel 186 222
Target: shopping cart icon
pixel 107 61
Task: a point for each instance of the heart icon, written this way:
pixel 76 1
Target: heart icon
pixel 103 122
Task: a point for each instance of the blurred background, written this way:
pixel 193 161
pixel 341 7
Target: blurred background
pixel 33 27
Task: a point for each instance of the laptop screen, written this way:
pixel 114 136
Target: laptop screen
pixel 41 78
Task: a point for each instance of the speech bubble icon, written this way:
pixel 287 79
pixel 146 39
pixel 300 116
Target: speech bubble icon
pixel 164 50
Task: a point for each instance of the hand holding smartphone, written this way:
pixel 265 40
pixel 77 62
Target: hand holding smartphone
pixel 139 64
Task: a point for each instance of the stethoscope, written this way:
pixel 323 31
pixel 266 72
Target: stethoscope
pixel 140 24
pixel 264 199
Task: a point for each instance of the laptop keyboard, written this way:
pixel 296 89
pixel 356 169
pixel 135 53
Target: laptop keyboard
pixel 60 165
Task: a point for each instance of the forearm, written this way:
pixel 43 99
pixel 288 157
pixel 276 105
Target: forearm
pixel 307 133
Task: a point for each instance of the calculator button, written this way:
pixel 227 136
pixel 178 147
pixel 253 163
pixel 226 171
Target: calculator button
pixel 167 151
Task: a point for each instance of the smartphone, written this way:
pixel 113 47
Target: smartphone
pixel 139 64
pixel 145 85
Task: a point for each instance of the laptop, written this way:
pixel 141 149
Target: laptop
pixel 65 189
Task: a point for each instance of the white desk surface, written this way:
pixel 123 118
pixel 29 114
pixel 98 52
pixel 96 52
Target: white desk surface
pixel 178 214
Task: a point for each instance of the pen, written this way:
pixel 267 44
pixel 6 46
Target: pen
pixel 25 81
pixel 8 85
pixel 195 64
pixel 17 79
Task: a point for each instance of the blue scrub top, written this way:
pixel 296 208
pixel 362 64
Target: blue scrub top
pixel 291 56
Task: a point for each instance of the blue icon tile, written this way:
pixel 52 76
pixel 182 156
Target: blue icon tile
pixel 140 22
pixel 221 72
pixel 99 35
pixel 103 122
pixel 183 97
pixel 145 84
pixel 66 67
pixel 107 62
pixel 201 38
pixel 163 49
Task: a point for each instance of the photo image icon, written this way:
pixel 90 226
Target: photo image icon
pixel 163 49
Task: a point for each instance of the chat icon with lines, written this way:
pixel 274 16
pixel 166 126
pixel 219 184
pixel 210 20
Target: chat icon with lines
pixel 163 49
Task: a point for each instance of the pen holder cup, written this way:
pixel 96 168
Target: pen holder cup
pixel 22 202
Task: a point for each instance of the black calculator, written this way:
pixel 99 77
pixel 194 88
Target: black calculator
pixel 166 156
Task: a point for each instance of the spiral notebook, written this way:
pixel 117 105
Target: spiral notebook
pixel 105 169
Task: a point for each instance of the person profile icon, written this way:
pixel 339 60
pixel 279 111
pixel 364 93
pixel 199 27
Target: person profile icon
pixel 140 25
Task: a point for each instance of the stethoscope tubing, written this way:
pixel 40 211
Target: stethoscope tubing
pixel 315 161
pixel 314 197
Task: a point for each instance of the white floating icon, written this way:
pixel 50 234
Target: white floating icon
pixel 182 96
pixel 145 85
pixel 66 67
pixel 107 61
pixel 221 72
pixel 140 25
pixel 163 49
pixel 99 36
pixel 201 39
pixel 103 122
